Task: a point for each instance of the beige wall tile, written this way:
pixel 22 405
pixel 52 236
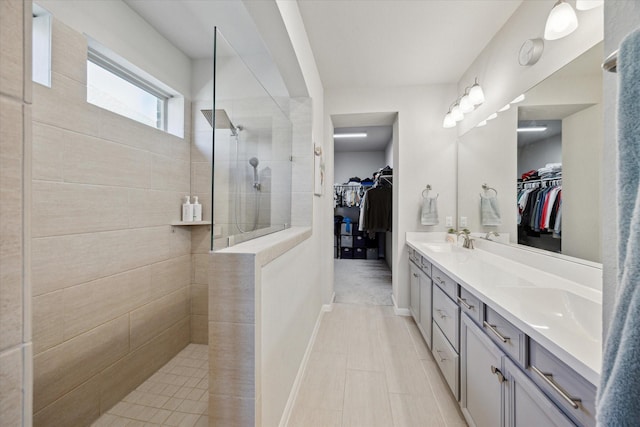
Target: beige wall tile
pixel 63 261
pixel 48 321
pixel 154 207
pixel 11 48
pixel 48 149
pixel 89 160
pixel 199 329
pixel 229 303
pixel 171 275
pixel 200 300
pixel 79 407
pixel 60 208
pixel 200 240
pixel 11 390
pixel 170 174
pixel 151 319
pixel 11 223
pixel 64 367
pixel 200 263
pixel 231 411
pixel 68 52
pixel 129 372
pixel 77 114
pixel 91 304
pixel 201 177
pixel 180 243
pixel 232 359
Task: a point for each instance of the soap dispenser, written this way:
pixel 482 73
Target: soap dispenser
pixel 197 210
pixel 187 210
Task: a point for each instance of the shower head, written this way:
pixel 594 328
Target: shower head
pixel 254 163
pixel 221 120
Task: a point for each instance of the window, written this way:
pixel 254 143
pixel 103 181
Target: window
pixel 41 46
pixel 115 88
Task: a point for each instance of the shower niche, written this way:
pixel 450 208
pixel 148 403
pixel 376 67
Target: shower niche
pixel 251 136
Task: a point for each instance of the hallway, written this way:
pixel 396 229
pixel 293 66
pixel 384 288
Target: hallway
pixel 369 367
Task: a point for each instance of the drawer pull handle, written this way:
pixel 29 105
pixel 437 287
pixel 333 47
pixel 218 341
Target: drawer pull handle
pixel 442 359
pixel 440 280
pixel 496 371
pixel 442 314
pixel 415 275
pixel 464 302
pixel 493 329
pixel 548 378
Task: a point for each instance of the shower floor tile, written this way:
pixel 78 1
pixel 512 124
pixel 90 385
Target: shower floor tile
pixel 176 395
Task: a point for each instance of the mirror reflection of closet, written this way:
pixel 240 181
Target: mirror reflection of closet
pixel 559 143
pixel 569 101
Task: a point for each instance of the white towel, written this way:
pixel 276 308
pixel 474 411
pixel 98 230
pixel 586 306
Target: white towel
pixel 429 211
pixel 490 211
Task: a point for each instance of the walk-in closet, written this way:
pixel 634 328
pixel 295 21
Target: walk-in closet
pixel 363 204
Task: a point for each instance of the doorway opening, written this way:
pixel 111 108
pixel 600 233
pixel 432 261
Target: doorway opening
pixel 363 205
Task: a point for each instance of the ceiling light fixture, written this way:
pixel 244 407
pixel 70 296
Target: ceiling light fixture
pixel 482 123
pixel 466 106
pixel 449 121
pixel 588 4
pixel 493 116
pixel 533 129
pixel 476 94
pixel 456 113
pixel 561 22
pixel 505 108
pixel 350 135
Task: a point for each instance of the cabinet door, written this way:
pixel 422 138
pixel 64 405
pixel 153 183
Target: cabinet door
pixel 414 301
pixel 425 307
pixel 526 405
pixel 481 377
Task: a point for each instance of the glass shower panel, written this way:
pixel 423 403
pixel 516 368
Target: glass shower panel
pixel 252 139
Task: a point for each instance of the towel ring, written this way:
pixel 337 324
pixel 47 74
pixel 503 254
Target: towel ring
pixel 425 192
pixel 486 188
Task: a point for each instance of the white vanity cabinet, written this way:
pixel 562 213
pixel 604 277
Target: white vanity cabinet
pixel 420 294
pixel 494 391
pixel 481 377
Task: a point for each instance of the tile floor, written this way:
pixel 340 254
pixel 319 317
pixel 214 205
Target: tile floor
pixel 176 395
pixel 369 367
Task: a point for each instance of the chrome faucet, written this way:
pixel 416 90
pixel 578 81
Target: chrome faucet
pixel 495 233
pixel 468 240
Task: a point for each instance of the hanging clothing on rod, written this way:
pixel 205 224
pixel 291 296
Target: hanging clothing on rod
pixel 540 207
pixel 376 209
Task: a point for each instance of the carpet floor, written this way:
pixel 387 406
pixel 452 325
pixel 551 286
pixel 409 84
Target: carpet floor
pixel 361 281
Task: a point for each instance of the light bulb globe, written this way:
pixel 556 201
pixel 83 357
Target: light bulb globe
pixel 561 22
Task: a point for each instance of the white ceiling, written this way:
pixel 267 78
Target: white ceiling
pixel 382 43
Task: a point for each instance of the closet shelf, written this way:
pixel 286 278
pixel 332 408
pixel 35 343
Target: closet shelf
pixel 181 223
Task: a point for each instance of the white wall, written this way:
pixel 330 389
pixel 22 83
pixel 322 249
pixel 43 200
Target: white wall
pixel 361 164
pixel 135 40
pixel 582 142
pixel 539 153
pixel 388 154
pixel 424 154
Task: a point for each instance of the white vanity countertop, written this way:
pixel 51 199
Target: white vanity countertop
pixel 562 315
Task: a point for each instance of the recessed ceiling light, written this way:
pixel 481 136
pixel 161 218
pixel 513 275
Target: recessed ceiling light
pixel 350 135
pixel 533 129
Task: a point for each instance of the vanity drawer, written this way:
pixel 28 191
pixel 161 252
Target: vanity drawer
pixel 507 336
pixel 445 282
pixel 447 315
pixel 471 305
pixel 562 384
pixel 447 359
pixel 425 266
pixel 414 256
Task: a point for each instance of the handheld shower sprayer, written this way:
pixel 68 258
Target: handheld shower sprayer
pixel 254 163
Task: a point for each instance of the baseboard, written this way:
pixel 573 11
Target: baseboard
pixel 286 414
pixel 399 311
pixel 329 307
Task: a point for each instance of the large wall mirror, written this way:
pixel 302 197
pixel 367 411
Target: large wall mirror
pixel 543 158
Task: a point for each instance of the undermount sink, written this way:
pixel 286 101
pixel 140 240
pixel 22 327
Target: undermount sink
pixel 440 246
